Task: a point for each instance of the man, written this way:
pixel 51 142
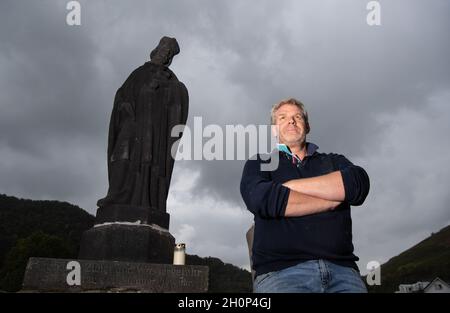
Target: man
pixel 303 227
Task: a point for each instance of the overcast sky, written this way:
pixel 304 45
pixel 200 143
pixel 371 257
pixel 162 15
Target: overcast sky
pixel 380 95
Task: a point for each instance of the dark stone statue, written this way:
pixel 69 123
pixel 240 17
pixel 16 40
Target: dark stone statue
pixel 150 102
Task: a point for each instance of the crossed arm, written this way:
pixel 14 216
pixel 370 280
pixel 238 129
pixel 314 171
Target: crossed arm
pixel 305 196
pixel 315 194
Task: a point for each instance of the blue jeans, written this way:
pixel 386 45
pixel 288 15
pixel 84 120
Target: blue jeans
pixel 318 276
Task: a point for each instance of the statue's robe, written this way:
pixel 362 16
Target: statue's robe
pixel 146 108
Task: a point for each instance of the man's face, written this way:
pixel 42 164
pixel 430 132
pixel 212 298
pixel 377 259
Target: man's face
pixel 291 126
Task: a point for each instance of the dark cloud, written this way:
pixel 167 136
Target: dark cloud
pixel 361 85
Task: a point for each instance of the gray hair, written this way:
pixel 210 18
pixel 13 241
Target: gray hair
pixel 292 101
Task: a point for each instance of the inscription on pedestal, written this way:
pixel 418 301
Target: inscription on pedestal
pixel 48 275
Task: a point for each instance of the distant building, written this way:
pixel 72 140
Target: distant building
pixel 436 286
pixel 409 288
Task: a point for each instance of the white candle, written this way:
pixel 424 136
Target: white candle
pixel 179 254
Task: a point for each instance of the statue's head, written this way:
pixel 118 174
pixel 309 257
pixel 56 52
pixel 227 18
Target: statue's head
pixel 165 51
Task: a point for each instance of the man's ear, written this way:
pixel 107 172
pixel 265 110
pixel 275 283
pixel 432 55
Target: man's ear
pixel 307 128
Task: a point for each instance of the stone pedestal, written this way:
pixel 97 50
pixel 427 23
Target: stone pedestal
pixel 57 275
pixel 128 242
pixel 130 249
pixel 130 213
pixel 129 233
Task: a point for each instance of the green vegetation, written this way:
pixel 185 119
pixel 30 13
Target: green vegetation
pixel 21 218
pixel 223 277
pixel 53 229
pixel 37 245
pixel 425 261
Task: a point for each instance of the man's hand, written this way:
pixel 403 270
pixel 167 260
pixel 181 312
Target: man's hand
pixel 327 187
pixel 290 184
pixel 301 205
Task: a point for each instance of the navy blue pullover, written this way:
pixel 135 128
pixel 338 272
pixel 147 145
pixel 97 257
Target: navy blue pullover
pixel 279 241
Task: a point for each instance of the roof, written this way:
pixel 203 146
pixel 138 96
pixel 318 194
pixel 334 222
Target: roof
pixel 437 279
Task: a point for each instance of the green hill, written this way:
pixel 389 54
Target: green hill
pixel 425 261
pixel 53 229
pixel 20 218
pixel 224 277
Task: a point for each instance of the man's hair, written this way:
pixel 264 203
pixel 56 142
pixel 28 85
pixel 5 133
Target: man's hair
pixel 295 102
